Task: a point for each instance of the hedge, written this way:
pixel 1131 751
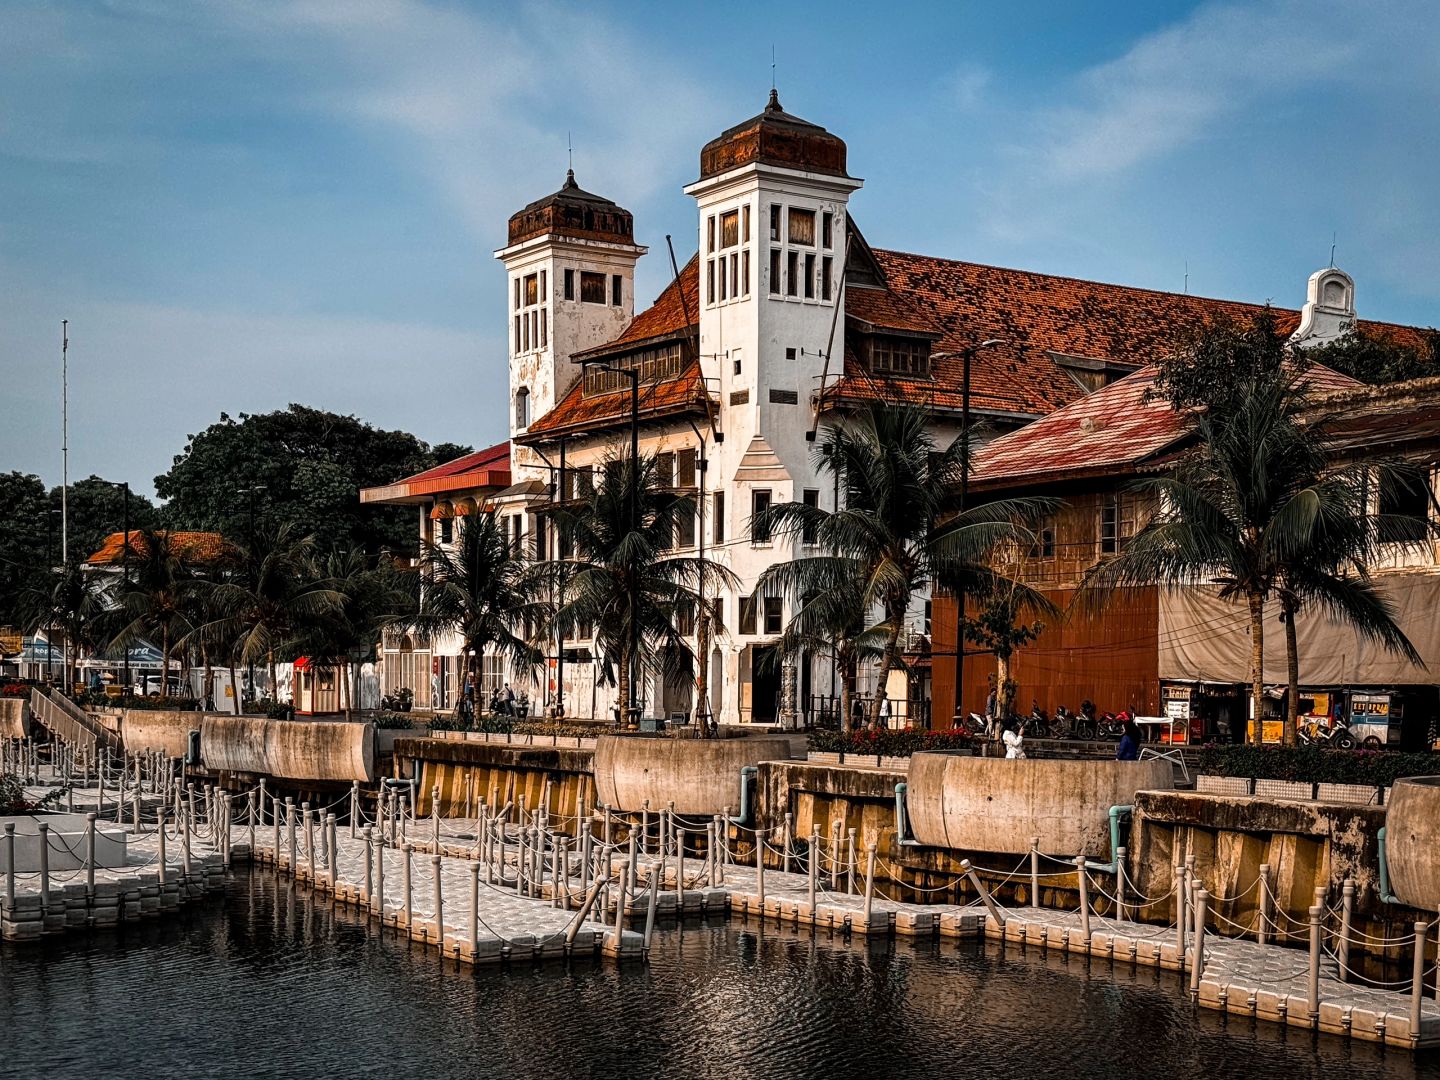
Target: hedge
pixel 1315 765
pixel 887 742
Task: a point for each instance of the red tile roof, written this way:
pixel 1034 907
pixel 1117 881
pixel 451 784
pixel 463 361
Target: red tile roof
pixel 1113 431
pixel 193 547
pixel 488 468
pixel 1039 315
pixel 684 394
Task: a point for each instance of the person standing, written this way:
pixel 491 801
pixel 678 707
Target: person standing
pixel 1129 748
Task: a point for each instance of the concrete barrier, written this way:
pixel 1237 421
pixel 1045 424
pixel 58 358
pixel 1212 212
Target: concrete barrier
pixel 291 749
pixel 14 718
pixel 167 730
pixel 700 776
pixel 66 842
pixel 1412 841
pixel 994 804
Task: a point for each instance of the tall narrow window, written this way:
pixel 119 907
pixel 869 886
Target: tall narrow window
pixel 792 273
pixel 747 614
pixel 543 294
pixel 718 510
pixel 759 509
pixel 745 224
pixel 517 334
pixel 774 222
pixel 1109 528
pixel 517 294
pixel 685 529
pixel 802 226
pixel 685 469
pixel 541 536
pixel 569 284
pixel 532 289
pixel 665 470
pixel 447 530
pixel 729 228
pixel 826 265
pixel 710 282
pixel 544 327
pixel 775 271
pixel 827 229
pixel 710 231
pixel 745 272
pixel 810 275
pixel 522 407
pixel 617 290
pixel 734 274
pixel 773 608
pixel 809 531
pixel 525 332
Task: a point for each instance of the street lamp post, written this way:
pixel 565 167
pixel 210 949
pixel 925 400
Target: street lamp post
pixel 967 355
pixel 50 569
pixel 631 707
pixel 125 563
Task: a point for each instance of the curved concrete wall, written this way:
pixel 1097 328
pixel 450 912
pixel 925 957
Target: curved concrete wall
pixel 700 776
pixel 1412 842
pixel 14 718
pixel 291 749
pixel 994 804
pixel 167 730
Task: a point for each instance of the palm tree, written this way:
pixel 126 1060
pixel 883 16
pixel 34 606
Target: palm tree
pixel 278 592
pixel 898 529
pixel 624 579
pixel 157 599
pixel 1252 510
pixel 478 590
pixel 74 601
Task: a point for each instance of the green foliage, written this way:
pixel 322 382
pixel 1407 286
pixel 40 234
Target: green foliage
pixel 1315 764
pixel 311 463
pixel 97 509
pixel 393 721
pixel 888 742
pixel 13 799
pixel 1374 359
pixel 1218 360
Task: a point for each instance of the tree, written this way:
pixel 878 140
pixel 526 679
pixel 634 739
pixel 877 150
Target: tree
pixel 478 589
pixel 1218 359
pixel 311 464
pixel 1250 509
pixel 96 508
pixel 1375 359
pixel 261 609
pixel 625 580
pixel 1000 629
pixel 158 600
pixel 898 530
pixel 73 601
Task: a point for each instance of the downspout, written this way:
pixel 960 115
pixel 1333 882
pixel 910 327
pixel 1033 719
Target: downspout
pixel 747 777
pixel 1116 812
pixel 1386 896
pixel 901 822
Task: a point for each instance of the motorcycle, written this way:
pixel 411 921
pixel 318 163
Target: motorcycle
pixel 1337 735
pixel 1037 725
pixel 1112 725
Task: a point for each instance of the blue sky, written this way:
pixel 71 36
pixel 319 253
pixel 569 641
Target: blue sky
pixel 242 204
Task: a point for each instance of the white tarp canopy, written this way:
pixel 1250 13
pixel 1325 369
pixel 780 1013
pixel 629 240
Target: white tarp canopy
pixel 1205 639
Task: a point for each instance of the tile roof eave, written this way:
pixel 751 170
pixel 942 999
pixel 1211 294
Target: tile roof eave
pixel 695 407
pixel 622 348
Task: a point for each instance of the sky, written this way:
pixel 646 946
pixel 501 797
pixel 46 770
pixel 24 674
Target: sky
pixel 245 203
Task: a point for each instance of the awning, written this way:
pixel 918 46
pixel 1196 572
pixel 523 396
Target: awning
pixel 464 507
pixel 301 663
pixel 441 511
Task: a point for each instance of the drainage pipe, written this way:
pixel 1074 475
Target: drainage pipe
pixel 1386 896
pixel 1112 867
pixel 748 775
pixel 902 825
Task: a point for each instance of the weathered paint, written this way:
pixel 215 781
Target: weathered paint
pixel 1412 841
pixel 14 718
pixel 697 776
pixel 288 749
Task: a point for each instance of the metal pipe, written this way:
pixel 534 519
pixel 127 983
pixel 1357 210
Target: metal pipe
pixel 901 822
pixel 748 774
pixel 1116 813
pixel 1386 896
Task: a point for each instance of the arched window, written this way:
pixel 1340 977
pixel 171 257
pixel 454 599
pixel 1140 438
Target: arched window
pixel 522 407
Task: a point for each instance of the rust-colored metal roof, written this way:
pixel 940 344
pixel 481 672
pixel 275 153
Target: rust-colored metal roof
pixel 573 212
pixel 1114 431
pixel 484 469
pixel 683 395
pixel 774 137
pixel 192 547
pixel 676 312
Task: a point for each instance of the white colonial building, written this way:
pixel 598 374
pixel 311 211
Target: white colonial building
pixel 785 314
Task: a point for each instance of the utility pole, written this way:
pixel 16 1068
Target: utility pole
pixel 125 562
pixel 64 442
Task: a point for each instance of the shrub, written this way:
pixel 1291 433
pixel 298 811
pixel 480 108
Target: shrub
pixel 392 721
pixel 14 801
pixel 15 689
pixel 887 742
pixel 1315 765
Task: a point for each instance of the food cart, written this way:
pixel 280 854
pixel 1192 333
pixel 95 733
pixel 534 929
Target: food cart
pixel 1375 718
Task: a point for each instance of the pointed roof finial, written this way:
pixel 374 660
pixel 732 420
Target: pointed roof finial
pixel 773 105
pixel 570 184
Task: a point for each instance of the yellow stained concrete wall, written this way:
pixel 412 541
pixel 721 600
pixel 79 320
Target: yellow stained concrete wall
pixel 14 718
pixel 288 749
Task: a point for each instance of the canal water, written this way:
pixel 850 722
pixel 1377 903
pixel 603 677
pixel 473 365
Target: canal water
pixel 270 983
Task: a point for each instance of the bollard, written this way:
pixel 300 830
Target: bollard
pixel 354 806
pixel 561 897
pixel 9 866
pixel 969 871
pixel 789 847
pixel 814 866
pixel 650 906
pixel 308 816
pixel 380 878
pixel 869 881
pixel 645 828
pixel 44 867
pixel 1417 982
pixel 1035 871
pixel 1347 911
pixel 250 816
pixel 474 908
pixel 1197 963
pixel 605 835
pixel 190 804
pixel 439 902
pixel 225 836
pixel 1263 915
pixel 135 811
pixel 89 855
pixel 760 869
pixel 1084 881
pixel 160 827
pixel 834 854
pixel 1120 883
pixel 632 864
pixel 850 865
pixel 586 846
pixel 260 800
pixel 185 848
pixel 435 814
pixel 369 867
pixel 1182 893
pixel 290 832
pixel 679 835
pixel 405 883
pixel 331 854
pixel 1315 912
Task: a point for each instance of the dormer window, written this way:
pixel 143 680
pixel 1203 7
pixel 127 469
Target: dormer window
pixel 900 356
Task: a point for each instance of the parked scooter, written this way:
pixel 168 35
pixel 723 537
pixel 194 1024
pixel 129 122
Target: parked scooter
pixel 1037 725
pixel 1336 734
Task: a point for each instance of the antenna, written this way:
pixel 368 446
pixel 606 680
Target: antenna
pixel 64 442
pixel 570 152
pixel 772 65
pixel 1332 248
pixel 1187 277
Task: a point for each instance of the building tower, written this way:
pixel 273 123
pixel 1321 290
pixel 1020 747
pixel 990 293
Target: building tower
pixel 570 286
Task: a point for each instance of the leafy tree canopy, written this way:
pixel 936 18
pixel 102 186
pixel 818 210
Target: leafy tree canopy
pixel 1376 360
pixel 311 464
pixel 1214 363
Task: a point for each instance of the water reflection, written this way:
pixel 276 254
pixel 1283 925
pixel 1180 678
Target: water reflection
pixel 270 983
